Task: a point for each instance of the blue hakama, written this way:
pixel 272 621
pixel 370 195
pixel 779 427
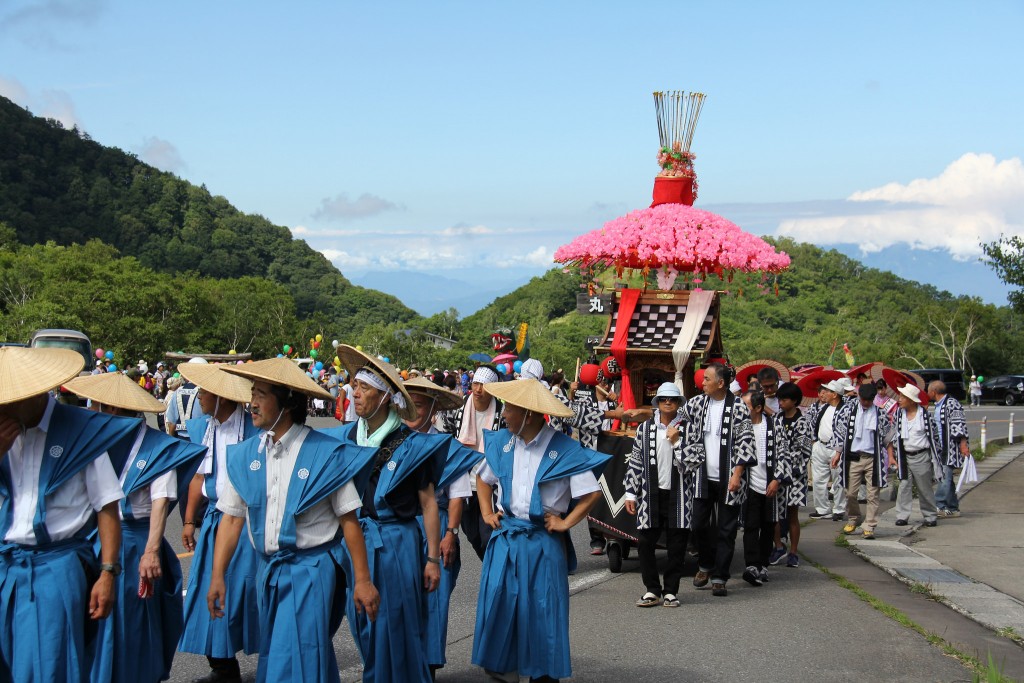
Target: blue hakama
pixel 136 643
pixel 45 600
pixel 240 627
pixel 300 591
pixel 438 602
pixel 522 613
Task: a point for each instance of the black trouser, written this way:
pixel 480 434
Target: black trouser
pixel 715 544
pixel 477 531
pixel 675 540
pixel 758 529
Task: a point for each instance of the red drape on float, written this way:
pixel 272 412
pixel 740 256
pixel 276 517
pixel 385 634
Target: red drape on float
pixel 627 305
pixel 673 190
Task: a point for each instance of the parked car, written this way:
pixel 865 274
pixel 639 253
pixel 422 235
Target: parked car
pixel 64 339
pixel 1006 389
pixel 951 377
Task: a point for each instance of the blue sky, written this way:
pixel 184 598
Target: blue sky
pixel 471 139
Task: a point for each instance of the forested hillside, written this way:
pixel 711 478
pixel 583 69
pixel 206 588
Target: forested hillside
pixel 824 300
pixel 59 185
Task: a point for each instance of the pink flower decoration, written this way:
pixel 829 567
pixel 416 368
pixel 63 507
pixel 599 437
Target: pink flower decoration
pixel 673 236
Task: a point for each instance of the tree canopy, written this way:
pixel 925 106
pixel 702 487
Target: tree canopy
pixel 60 186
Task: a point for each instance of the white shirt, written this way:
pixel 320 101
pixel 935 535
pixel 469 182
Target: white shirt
pixel 164 486
pixel 554 495
pixel 759 473
pixel 772 403
pixel 350 412
pixel 460 487
pixel 316 526
pixel 73 504
pixel 915 436
pixel 226 433
pixel 665 455
pixel 825 426
pixel 713 436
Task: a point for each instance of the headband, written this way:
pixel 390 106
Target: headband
pixel 484 375
pixel 367 376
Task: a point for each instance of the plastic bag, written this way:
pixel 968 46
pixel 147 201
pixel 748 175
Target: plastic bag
pixel 969 473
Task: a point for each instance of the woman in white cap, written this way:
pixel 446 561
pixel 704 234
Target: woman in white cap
pixel 400 487
pixel 655 493
pixel 451 490
pixel 138 641
pixel 53 452
pixel 224 423
pixel 297 491
pixel 535 472
pixel 917 459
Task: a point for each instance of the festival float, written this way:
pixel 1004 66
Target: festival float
pixel 667 331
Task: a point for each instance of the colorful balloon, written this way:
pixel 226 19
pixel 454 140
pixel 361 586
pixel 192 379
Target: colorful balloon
pixel 517 366
pixel 500 367
pixel 319 337
pixel 286 348
pixel 111 368
pixel 335 343
pixel 109 355
pixel 313 354
pixel 99 353
pixel 232 352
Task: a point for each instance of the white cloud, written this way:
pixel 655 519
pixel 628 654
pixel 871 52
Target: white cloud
pixel 342 208
pixel 162 154
pixel 974 200
pixel 467 230
pixel 12 89
pixel 50 103
pixel 445 249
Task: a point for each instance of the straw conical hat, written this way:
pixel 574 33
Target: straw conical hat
pixel 529 394
pixel 117 390
pixel 27 372
pixel 280 371
pixel 213 379
pixel 354 360
pixel 446 400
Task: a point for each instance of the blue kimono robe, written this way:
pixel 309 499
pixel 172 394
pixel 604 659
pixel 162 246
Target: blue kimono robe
pixel 394 648
pixel 300 600
pixel 239 629
pixel 522 613
pixel 460 460
pixel 137 642
pixel 44 591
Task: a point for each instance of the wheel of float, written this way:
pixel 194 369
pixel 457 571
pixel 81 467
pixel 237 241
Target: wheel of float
pixel 614 558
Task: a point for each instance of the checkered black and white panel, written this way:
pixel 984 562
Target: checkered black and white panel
pixel 656 326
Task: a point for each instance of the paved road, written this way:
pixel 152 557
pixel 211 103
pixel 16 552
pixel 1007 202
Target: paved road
pixel 802 626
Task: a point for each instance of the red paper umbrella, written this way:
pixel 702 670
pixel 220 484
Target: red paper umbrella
pixel 893 378
pixel 747 371
pixel 867 368
pixel 798 371
pixel 810 382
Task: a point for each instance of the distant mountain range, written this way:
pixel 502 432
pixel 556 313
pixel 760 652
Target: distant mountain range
pixel 428 293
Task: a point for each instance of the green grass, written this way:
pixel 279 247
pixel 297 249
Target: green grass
pixel 842 542
pixel 1011 633
pixel 993 448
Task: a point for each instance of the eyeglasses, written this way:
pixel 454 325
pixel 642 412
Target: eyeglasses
pixel 669 399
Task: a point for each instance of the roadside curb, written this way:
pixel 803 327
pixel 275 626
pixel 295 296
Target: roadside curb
pixel 973 599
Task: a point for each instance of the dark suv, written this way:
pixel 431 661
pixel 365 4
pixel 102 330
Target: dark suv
pixel 1006 389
